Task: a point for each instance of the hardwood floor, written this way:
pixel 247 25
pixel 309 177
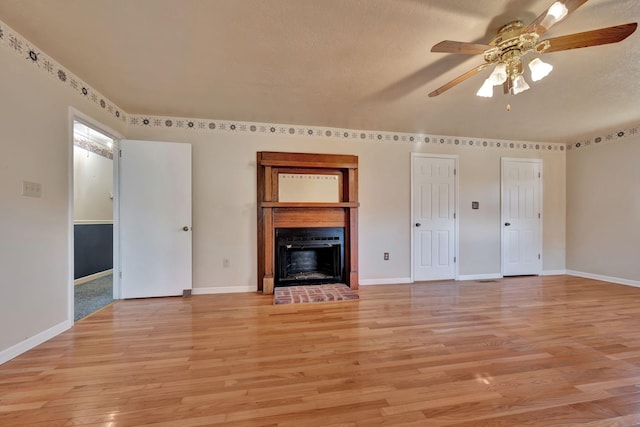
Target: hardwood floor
pixel 523 351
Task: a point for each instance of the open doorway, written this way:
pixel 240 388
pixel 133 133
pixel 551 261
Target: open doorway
pixel 93 219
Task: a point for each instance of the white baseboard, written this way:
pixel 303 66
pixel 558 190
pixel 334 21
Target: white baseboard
pixel 553 272
pixel 29 343
pixel 392 281
pixel 223 290
pixel 617 280
pixel 489 276
pixel 91 277
pixel 492 276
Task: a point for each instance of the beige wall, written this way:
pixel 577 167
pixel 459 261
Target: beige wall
pixel 224 215
pixel 92 186
pixel 603 209
pixel 35 143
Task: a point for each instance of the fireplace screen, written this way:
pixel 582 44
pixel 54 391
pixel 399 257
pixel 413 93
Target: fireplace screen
pixel 306 256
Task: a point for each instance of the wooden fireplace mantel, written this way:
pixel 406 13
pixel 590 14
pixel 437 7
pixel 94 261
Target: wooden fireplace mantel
pixel 273 214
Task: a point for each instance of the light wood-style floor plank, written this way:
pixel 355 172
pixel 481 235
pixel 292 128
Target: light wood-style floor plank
pixel 524 351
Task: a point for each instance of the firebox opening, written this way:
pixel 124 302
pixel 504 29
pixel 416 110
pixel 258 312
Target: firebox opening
pixel 306 256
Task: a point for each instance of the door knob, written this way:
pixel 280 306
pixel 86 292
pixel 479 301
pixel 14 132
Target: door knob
pixel 506 224
pixel 185 228
pixel 418 224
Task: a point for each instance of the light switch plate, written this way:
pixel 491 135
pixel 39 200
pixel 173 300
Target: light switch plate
pixel 31 189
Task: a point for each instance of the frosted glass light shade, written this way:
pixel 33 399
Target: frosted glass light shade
pixel 499 74
pixel 486 90
pixel 539 69
pixel 519 85
pixel 558 10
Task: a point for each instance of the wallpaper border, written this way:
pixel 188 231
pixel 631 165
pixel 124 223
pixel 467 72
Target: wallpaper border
pixel 229 126
pixel 29 52
pixel 93 147
pixel 604 138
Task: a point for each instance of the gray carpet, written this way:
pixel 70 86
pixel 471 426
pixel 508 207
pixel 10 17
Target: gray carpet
pixel 92 296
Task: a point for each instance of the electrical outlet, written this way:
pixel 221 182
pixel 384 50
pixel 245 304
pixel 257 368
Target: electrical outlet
pixel 386 256
pixel 225 263
pixel 31 189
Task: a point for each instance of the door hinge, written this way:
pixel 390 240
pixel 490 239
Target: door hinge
pixel 539 215
pixel 120 274
pixel 454 260
pixel 455 171
pixel 538 256
pixel 539 175
pixel 454 215
pixel 120 153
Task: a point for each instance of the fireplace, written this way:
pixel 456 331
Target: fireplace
pixel 307 219
pixel 308 256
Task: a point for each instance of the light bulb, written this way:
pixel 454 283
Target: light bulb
pixel 519 84
pixel 486 90
pixel 499 74
pixel 558 10
pixel 539 69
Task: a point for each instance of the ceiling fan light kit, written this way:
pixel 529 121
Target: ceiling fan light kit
pixel 499 74
pixel 519 85
pixel 539 69
pixel 555 13
pixel 486 90
pixel 515 40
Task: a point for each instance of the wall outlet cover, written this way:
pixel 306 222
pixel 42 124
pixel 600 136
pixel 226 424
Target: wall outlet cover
pixel 31 189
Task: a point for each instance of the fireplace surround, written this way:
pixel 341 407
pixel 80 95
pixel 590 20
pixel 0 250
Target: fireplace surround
pixel 336 176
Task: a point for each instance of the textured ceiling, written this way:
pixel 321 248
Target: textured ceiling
pixel 359 64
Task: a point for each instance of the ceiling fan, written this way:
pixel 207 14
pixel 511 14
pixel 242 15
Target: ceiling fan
pixel 515 40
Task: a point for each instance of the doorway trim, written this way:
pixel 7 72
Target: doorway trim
pixel 456 220
pixel 540 163
pixel 76 115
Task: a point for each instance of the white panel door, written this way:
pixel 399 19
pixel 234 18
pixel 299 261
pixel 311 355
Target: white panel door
pixel 521 217
pixel 155 218
pixel 434 210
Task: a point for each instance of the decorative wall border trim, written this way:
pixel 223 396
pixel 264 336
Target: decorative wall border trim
pixel 93 147
pixel 605 138
pixel 26 50
pixel 227 126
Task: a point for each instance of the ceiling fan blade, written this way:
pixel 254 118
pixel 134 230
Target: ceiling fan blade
pixel 591 38
pixel 458 80
pixel 550 16
pixel 450 46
